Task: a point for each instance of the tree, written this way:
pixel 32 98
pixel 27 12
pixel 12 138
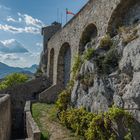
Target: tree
pixel 13 79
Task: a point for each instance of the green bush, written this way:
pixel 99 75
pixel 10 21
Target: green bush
pixel 87 79
pixel 110 61
pixel 13 79
pixel 106 42
pixel 76 66
pixel 101 126
pixel 88 54
pixel 97 126
pixel 76 119
pixel 107 63
pixel 63 100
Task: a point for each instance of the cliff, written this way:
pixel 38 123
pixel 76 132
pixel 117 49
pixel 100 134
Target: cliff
pixel 112 74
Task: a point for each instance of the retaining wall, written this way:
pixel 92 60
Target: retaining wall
pixel 19 95
pixel 5 117
pixel 32 129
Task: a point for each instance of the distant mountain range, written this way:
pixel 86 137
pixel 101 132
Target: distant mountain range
pixel 6 70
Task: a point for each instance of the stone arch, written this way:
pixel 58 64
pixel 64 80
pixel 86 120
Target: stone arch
pixel 89 33
pixel 64 65
pixel 125 14
pixel 51 68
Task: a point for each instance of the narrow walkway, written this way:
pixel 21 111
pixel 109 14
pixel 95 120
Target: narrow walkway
pixel 50 124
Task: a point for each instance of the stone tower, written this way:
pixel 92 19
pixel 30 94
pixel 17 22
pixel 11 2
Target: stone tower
pixel 47 32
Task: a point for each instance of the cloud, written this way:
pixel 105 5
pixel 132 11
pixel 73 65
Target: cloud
pixel 9 57
pixel 12 46
pixel 20 59
pixel 2 7
pixel 29 20
pixel 17 30
pixel 39 44
pixel 10 19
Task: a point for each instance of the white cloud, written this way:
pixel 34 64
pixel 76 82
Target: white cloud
pixel 10 19
pixel 15 30
pixel 20 59
pixel 39 44
pixel 29 20
pixel 19 19
pixel 5 57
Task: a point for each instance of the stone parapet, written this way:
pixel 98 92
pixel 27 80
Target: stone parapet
pixel 32 129
pixel 50 95
pixel 5 117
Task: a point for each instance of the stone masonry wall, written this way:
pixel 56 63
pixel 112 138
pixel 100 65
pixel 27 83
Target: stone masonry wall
pixel 32 129
pixel 71 33
pixel 97 17
pixel 5 117
pixel 19 95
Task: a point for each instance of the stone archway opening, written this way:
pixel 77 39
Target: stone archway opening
pixel 126 14
pixel 64 65
pixel 51 68
pixel 89 33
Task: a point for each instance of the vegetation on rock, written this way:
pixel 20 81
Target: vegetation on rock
pixel 76 66
pixel 63 100
pixel 88 54
pixel 110 61
pixel 94 126
pixel 76 119
pixel 128 34
pixel 97 126
pixel 86 79
pixel 13 79
pixel 105 42
pixel 102 126
pixel 107 63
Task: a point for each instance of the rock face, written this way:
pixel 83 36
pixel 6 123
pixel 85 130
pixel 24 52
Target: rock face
pixel 120 87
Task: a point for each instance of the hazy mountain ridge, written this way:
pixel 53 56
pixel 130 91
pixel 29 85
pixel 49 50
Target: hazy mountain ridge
pixel 12 46
pixel 5 70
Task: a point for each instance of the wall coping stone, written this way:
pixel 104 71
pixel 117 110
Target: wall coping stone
pixel 3 98
pixel 32 129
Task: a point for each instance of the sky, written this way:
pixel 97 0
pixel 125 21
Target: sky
pixel 20 27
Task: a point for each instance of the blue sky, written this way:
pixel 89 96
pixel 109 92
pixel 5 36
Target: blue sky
pixel 20 25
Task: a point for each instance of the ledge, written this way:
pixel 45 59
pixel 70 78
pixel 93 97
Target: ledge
pixel 32 129
pixel 3 98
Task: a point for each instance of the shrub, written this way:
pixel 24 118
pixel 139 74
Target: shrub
pixel 76 66
pixel 107 63
pixel 76 119
pixel 97 126
pixel 87 79
pixel 106 42
pixel 63 100
pixel 128 34
pixel 88 54
pixel 13 79
pixel 101 126
pixel 110 61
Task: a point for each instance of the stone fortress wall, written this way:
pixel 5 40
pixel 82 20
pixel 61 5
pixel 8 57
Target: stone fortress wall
pixel 19 95
pixel 61 44
pixel 5 117
pixel 94 20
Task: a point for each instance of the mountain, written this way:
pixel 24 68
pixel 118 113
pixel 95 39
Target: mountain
pixel 6 70
pixel 12 46
pixel 32 69
pixel 3 48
